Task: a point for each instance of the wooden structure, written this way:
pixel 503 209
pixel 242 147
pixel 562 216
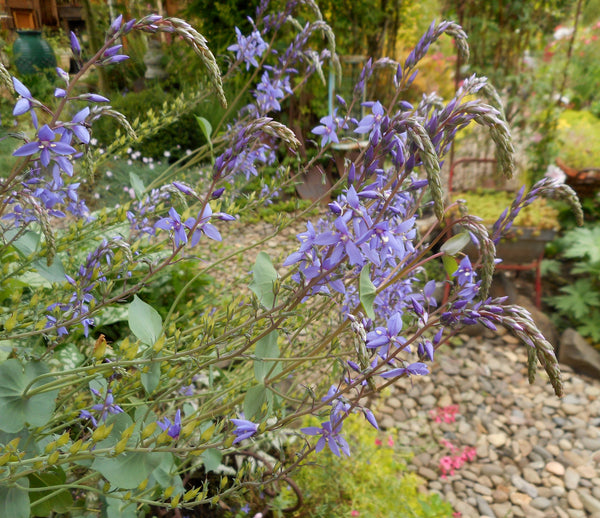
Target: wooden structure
pixel 66 14
pixel 35 14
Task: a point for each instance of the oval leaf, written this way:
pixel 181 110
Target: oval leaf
pixel 266 347
pixel 265 276
pixel 456 243
pixel 137 184
pixel 255 398
pixel 50 500
pixel 14 501
pixel 127 470
pixel 16 408
pixel 211 459
pixel 367 292
pixel 151 378
pixel 205 127
pixel 144 321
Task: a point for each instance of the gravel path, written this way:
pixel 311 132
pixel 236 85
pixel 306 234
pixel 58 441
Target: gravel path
pixel 536 455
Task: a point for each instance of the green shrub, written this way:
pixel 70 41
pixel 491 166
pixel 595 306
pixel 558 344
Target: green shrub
pixel 183 134
pixel 579 136
pixel 373 482
pixel 488 204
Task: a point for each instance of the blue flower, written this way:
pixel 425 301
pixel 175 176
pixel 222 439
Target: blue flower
pixel 174 223
pixel 372 123
pixel 328 128
pixel 46 146
pixel 465 273
pixel 173 429
pixel 415 369
pixel 244 429
pixel 268 94
pixel 247 49
pixel 330 436
pixel 107 406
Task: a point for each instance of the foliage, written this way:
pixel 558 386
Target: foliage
pixel 502 32
pixel 579 304
pixel 487 204
pixel 183 133
pixel 374 482
pixel 579 137
pixel 157 416
pixel 583 68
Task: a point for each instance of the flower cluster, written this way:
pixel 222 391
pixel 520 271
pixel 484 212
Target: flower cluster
pixel 457 458
pixel 100 411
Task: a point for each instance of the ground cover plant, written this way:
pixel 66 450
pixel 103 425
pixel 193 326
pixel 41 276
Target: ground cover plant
pixel 202 403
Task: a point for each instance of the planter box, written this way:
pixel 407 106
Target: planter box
pixel 523 245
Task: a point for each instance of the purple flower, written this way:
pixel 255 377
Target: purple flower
pixel 328 128
pixel 25 103
pixel 244 429
pixel 268 94
pixel 173 429
pixel 46 145
pixel 75 47
pixel 174 223
pixel 115 25
pixel 465 273
pixel 330 435
pixel 77 125
pixel 248 49
pixel 372 123
pixel 370 417
pixel 93 98
pixel 102 409
pixel 415 369
pixel 383 337
pixel 201 226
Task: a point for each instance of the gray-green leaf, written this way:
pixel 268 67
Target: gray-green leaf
pixel 18 408
pixel 456 243
pixel 367 292
pixel 266 347
pixel 144 321
pixel 137 184
pixel 14 501
pixel 265 277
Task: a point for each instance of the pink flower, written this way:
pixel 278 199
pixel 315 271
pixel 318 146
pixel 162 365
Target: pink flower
pixel 390 441
pixel 354 513
pixel 378 442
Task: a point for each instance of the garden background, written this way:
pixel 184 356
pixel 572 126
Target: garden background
pixel 169 347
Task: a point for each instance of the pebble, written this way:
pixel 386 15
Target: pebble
pixel 484 508
pixel 531 475
pixel 524 486
pixel 591 504
pixel 556 468
pixel 574 500
pixel 586 471
pixel 541 503
pixel 497 439
pixel 571 478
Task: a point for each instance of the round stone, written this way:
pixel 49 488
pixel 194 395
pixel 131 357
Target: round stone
pixel 499 496
pixel 531 475
pixel 497 439
pixel 586 471
pixel 521 499
pixel 541 503
pixel 574 500
pixel 571 478
pixel 556 468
